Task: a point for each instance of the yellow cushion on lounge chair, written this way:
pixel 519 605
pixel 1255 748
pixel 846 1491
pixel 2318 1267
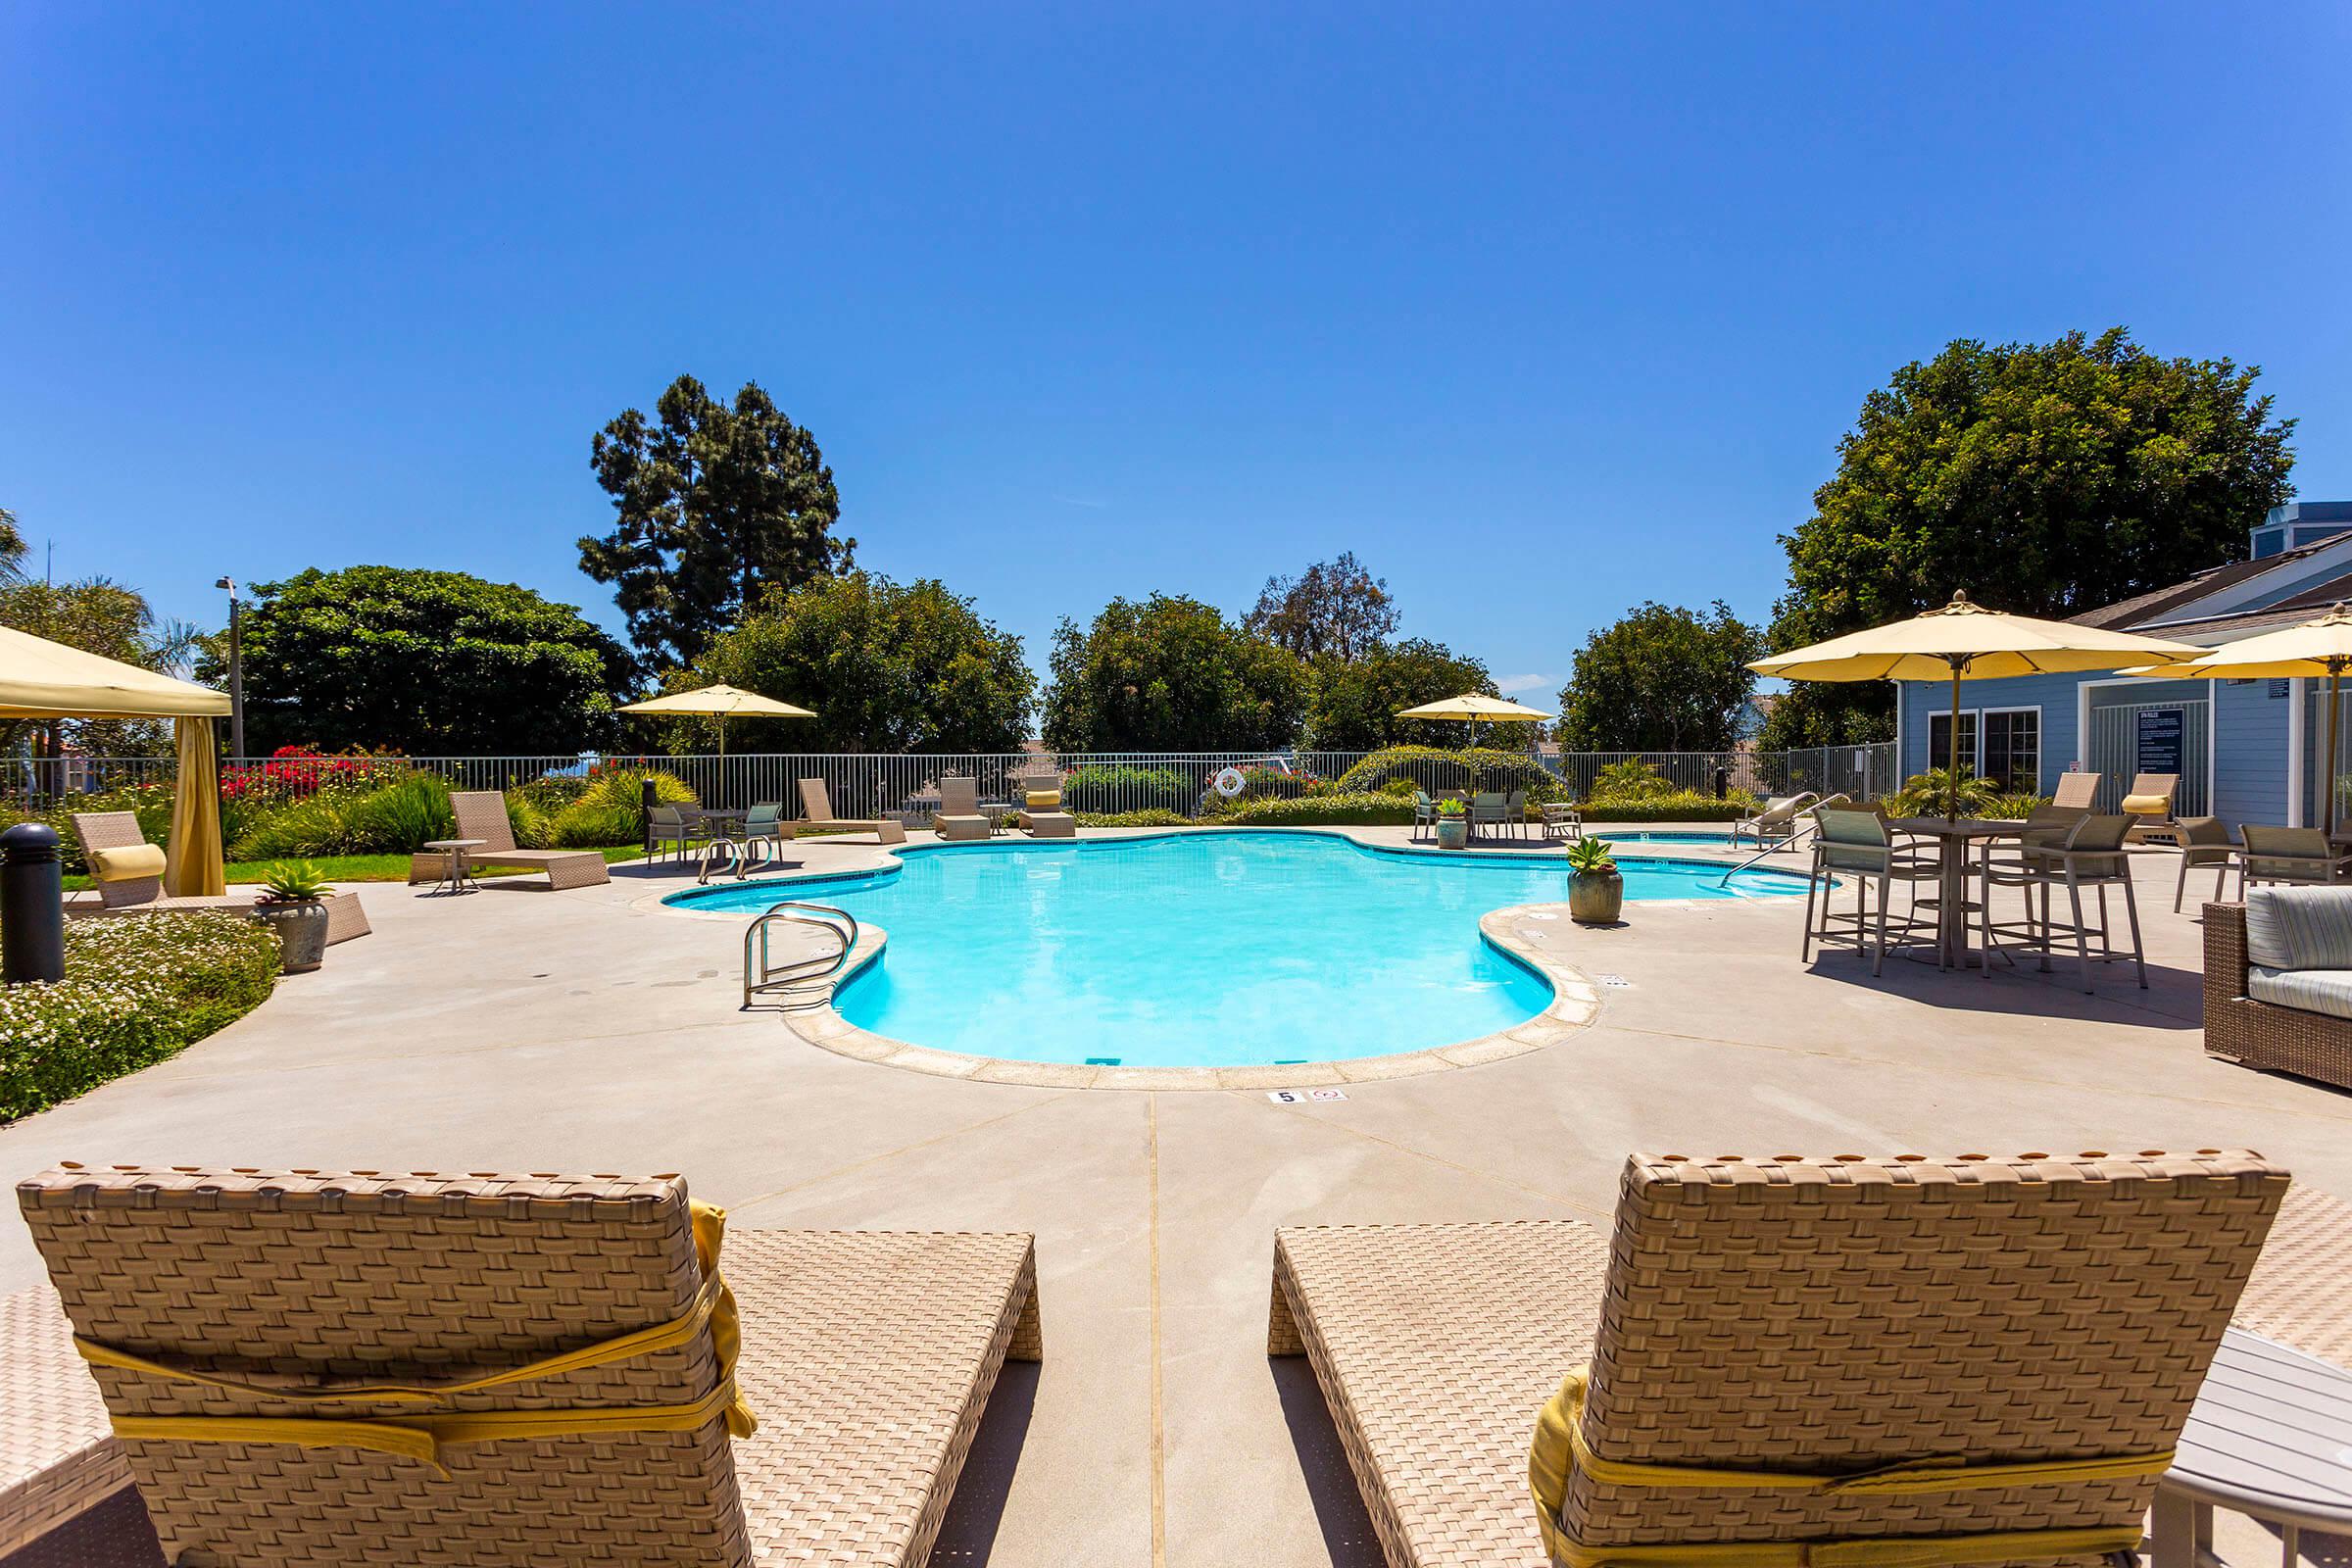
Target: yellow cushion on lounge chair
pixel 1043 800
pixel 2148 806
pixel 127 865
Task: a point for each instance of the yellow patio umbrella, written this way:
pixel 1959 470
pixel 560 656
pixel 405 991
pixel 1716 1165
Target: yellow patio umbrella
pixel 42 679
pixel 1965 641
pixel 721 702
pixel 2311 648
pixel 1472 706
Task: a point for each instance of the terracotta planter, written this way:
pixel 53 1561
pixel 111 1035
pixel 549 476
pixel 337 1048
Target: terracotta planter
pixel 300 927
pixel 1453 832
pixel 1595 898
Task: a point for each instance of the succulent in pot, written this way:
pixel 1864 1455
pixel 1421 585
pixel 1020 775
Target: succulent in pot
pixel 1595 889
pixel 1454 825
pixel 293 903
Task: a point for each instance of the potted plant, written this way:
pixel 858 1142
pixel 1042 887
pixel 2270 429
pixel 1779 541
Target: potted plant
pixel 293 903
pixel 1595 890
pixel 1454 825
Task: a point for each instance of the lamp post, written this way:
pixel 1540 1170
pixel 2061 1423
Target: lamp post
pixel 236 669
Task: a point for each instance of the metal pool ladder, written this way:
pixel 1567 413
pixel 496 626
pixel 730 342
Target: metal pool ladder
pixel 797 984
pixel 1811 823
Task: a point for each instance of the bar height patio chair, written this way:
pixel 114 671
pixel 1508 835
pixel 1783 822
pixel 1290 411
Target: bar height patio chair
pixel 1857 845
pixel 2094 856
pixel 2204 841
pixel 2291 856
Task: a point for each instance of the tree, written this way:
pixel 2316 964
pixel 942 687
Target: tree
pixel 1661 679
pixel 1355 704
pixel 1336 609
pixel 717 505
pixel 1170 675
pixel 11 544
pixel 2046 480
pixel 427 663
pixel 886 667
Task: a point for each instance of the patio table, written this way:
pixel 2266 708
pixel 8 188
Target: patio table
pixel 2271 1438
pixel 1953 836
pixel 457 876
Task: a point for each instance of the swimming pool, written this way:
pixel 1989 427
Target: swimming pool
pixel 1616 835
pixel 1198 950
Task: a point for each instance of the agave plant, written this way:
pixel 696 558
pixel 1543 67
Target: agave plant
pixel 294 882
pixel 1592 858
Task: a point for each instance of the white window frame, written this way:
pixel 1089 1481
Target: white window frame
pixel 1940 757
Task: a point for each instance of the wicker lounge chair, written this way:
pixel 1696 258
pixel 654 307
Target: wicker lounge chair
pixel 2149 801
pixel 959 817
pixel 2287 1030
pixel 818 803
pixel 57 1458
pixel 2078 791
pixel 871 1354
pixel 105 833
pixel 482 814
pixel 1040 807
pixel 1746 1317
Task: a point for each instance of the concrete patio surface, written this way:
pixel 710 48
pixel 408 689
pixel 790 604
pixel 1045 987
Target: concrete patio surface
pixel 593 1031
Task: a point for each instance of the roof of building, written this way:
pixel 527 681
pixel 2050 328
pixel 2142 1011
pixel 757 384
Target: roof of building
pixel 2151 610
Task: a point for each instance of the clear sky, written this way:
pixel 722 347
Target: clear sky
pixel 1542 310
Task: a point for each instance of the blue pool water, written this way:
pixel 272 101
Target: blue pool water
pixel 1198 950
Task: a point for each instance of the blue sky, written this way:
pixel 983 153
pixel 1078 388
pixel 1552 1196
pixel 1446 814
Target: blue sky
pixel 1541 309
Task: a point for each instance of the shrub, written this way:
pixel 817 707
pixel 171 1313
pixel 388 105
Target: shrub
pixel 1114 787
pixel 302 828
pixel 151 803
pixel 1629 781
pixel 1150 818
pixel 533 824
pixel 2011 806
pixel 400 817
pixel 1931 794
pixel 1351 809
pixel 1682 806
pixel 1430 769
pixel 137 988
pixel 612 809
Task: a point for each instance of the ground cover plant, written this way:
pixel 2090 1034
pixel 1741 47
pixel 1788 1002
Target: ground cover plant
pixel 137 988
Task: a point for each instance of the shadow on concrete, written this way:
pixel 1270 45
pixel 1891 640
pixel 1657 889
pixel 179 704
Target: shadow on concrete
pixel 969 1531
pixel 2174 998
pixel 1347 1533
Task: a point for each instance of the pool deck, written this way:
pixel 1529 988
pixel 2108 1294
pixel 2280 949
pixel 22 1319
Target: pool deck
pixel 593 1031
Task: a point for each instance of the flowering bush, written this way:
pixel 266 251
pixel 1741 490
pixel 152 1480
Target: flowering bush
pixel 137 988
pixel 296 773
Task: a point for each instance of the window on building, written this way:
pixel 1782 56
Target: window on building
pixel 2012 755
pixel 1940 740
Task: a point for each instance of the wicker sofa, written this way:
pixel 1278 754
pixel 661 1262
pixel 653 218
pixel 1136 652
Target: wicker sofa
pixel 2278 982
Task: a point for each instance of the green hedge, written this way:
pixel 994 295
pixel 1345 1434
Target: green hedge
pixel 1106 787
pixel 1687 805
pixel 1432 769
pixel 1353 809
pixel 137 988
pixel 610 811
pixel 1151 818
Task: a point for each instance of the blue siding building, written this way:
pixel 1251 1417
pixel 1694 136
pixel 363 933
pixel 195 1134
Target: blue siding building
pixel 2245 751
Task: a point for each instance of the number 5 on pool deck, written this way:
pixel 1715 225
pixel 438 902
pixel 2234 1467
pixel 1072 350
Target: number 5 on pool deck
pixel 1296 1096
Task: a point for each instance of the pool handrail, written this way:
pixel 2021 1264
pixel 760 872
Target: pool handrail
pixel 799 983
pixel 1811 823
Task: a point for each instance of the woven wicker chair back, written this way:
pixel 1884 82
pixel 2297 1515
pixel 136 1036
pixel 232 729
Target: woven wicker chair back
pixel 815 803
pixel 117 830
pixel 2078 792
pixel 2287 843
pixel 315 1277
pixel 959 797
pixel 482 814
pixel 1847 1314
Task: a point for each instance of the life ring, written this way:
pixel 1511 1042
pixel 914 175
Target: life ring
pixel 1229 783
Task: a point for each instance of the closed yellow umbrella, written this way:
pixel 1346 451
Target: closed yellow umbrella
pixel 719 702
pixel 2311 649
pixel 1965 641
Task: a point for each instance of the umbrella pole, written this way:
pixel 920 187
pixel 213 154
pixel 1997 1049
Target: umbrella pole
pixel 1951 798
pixel 2335 676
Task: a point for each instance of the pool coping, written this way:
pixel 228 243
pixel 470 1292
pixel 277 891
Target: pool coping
pixel 1574 1007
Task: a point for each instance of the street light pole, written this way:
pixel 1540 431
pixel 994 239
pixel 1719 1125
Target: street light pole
pixel 236 669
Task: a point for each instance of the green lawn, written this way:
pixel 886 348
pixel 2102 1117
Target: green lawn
pixel 374 867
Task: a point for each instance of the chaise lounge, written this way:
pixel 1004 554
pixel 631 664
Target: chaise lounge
pixel 817 802
pixel 959 818
pixel 482 814
pixel 495 1371
pixel 2278 982
pixel 129 873
pixel 1757 1333
pixel 1041 809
